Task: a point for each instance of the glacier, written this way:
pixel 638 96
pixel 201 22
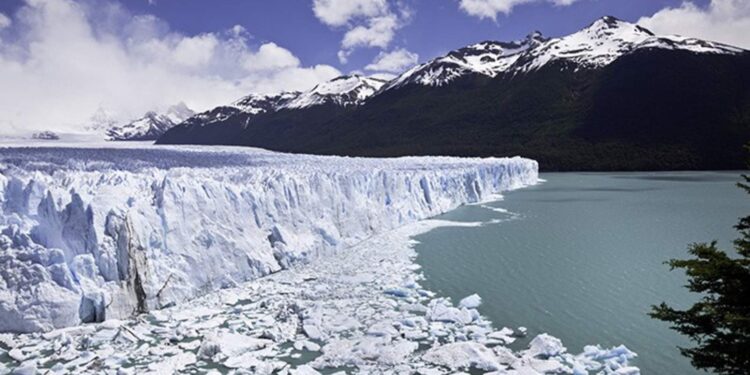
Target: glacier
pixel 100 233
pixel 181 236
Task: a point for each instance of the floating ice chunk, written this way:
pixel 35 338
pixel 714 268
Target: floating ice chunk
pixel 463 355
pixel 304 370
pixel 254 361
pixel 312 330
pixel 306 345
pixel 545 345
pixel 441 311
pixel 173 364
pixel 382 329
pixel 25 369
pixel 471 302
pixel 621 353
pixel 190 345
pixel 629 370
pixel 111 324
pixel 414 321
pixel 230 345
pixel 397 292
pixel 365 350
pixel 505 335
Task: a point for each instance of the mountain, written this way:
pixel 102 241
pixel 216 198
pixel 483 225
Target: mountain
pixel 151 126
pixel 613 96
pixel 344 91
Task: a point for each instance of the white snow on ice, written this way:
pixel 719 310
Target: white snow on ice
pixel 333 314
pixel 101 233
pixel 80 226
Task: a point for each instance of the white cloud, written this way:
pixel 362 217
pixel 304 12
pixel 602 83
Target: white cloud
pixel 270 57
pixel 195 51
pixel 726 21
pixel 343 56
pixel 395 61
pixel 378 33
pixel 4 21
pixel 368 23
pixel 491 8
pixel 341 12
pixel 67 59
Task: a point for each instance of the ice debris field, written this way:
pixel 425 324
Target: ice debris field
pixel 163 260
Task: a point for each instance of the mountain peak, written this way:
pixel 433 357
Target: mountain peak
pixel 536 36
pixel 609 24
pixel 343 91
pixel 151 125
pixel 597 45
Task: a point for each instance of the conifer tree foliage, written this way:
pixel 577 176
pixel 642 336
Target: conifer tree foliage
pixel 719 324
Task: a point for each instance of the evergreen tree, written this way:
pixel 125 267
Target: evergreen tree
pixel 719 323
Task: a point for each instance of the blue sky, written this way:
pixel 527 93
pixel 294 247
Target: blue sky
pixel 434 27
pixel 71 62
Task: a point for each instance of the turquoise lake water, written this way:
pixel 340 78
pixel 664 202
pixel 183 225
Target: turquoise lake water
pixel 581 256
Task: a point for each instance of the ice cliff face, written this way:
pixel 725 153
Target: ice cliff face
pixel 94 234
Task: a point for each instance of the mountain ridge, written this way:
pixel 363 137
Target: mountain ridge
pixel 150 126
pixel 537 97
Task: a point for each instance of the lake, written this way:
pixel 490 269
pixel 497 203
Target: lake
pixel 581 256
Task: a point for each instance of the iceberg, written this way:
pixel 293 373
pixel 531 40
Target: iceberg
pixel 92 234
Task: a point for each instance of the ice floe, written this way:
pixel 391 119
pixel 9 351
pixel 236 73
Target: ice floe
pixel 311 318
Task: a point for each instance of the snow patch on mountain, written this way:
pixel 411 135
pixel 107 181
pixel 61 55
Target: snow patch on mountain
pixel 151 126
pixel 259 103
pixel 596 46
pixel 487 58
pixel 343 91
pixel 593 47
pixel 94 234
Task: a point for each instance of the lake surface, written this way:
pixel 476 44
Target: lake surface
pixel 581 256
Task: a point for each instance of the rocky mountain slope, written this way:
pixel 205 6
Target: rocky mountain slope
pixel 613 96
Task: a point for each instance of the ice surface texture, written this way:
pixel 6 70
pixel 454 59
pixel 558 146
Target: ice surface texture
pixel 94 234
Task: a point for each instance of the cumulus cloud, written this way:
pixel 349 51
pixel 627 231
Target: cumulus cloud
pixel 726 21
pixel 62 60
pixel 4 21
pixel 491 8
pixel 378 32
pixel 395 61
pixel 368 23
pixel 340 12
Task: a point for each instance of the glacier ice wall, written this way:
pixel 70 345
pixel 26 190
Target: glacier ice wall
pixel 93 234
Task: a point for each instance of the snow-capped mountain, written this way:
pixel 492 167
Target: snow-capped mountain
pixel 568 102
pixel 343 91
pixel 260 103
pixel 100 121
pixel 487 58
pixel 596 46
pixel 151 126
